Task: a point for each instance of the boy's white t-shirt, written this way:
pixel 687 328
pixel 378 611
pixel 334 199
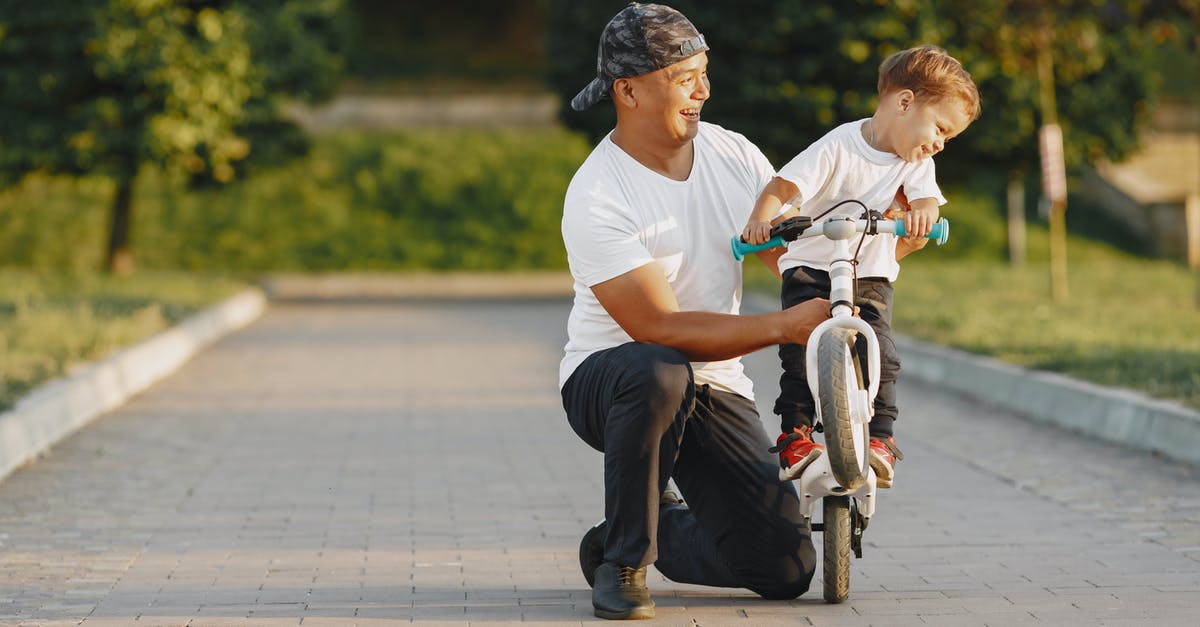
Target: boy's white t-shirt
pixel 843 166
pixel 619 215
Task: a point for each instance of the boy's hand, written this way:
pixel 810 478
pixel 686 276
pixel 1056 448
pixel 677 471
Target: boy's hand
pixel 920 220
pixel 756 232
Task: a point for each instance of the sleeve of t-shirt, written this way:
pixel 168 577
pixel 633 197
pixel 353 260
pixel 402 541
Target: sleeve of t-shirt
pixel 810 169
pixel 601 238
pixel 923 183
pixel 761 169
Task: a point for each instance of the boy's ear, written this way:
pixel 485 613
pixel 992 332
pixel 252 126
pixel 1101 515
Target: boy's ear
pixel 904 100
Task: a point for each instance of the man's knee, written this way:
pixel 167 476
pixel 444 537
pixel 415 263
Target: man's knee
pixel 783 590
pixel 787 583
pixel 783 573
pixel 660 376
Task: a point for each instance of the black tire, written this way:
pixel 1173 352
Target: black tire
pixel 836 513
pixel 838 370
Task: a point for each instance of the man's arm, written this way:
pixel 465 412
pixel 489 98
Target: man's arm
pixel 643 304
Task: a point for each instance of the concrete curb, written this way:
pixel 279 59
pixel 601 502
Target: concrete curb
pixel 449 285
pixel 1116 415
pixel 56 409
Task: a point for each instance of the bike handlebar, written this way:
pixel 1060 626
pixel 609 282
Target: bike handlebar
pixel 940 233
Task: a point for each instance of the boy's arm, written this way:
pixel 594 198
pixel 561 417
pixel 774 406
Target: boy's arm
pixel 770 257
pixel 776 192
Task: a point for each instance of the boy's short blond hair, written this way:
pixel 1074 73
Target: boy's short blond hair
pixel 930 72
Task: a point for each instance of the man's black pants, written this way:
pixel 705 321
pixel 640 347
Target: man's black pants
pixel 741 527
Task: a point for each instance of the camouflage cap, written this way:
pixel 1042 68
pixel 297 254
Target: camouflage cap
pixel 640 39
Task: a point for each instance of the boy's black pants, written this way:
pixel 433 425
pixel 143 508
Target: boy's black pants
pixel 873 296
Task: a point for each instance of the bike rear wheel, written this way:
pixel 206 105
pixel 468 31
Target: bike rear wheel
pixel 840 376
pixel 836 553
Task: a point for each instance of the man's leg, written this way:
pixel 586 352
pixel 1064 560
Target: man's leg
pixel 631 402
pixel 742 527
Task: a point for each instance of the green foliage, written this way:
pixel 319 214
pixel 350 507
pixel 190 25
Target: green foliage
pixel 1099 334
pixel 103 86
pixel 414 200
pixel 119 82
pixel 52 321
pixel 435 42
pixel 785 72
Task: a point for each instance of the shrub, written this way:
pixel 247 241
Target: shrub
pixel 432 199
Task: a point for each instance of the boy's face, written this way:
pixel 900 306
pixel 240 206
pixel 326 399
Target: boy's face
pixel 925 128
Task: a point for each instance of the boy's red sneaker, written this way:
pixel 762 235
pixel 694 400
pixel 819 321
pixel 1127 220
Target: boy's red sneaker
pixel 884 455
pixel 796 451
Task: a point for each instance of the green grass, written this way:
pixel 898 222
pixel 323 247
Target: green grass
pixel 53 322
pixel 1128 322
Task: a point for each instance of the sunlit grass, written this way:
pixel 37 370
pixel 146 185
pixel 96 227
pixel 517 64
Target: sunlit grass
pixel 52 322
pixel 1128 322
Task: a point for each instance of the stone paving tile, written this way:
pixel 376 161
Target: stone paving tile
pixel 380 462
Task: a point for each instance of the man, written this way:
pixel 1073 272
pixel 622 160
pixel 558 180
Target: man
pixel 652 375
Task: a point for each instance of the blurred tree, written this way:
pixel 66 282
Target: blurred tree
pixel 784 72
pixel 103 86
pixel 442 45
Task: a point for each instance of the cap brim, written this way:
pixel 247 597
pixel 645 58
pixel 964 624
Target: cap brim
pixel 595 91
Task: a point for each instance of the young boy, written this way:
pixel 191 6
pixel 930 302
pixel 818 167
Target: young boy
pixel 926 98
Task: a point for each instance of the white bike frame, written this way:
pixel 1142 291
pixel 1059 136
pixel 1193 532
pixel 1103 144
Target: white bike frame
pixel 818 481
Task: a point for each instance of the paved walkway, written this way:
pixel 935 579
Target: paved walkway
pixel 376 463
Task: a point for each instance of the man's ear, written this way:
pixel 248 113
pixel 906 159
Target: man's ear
pixel 623 92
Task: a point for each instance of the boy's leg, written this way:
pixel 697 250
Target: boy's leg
pixel 875 298
pixel 795 405
pixel 741 527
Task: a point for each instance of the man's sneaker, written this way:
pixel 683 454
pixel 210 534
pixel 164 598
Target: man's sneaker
pixel 884 455
pixel 591 547
pixel 796 451
pixel 591 551
pixel 620 593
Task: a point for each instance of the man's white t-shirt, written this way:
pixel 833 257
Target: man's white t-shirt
pixel 619 215
pixel 843 166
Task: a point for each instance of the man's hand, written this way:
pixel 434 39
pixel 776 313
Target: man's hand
pixel 908 245
pixel 803 318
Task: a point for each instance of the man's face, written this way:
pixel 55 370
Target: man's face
pixel 674 96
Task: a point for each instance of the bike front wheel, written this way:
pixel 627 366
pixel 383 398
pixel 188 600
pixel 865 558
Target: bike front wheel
pixel 840 383
pixel 836 553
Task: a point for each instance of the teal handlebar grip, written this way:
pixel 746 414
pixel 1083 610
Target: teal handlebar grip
pixel 939 233
pixel 741 249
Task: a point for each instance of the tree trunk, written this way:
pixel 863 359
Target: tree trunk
pixel 1016 218
pixel 120 257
